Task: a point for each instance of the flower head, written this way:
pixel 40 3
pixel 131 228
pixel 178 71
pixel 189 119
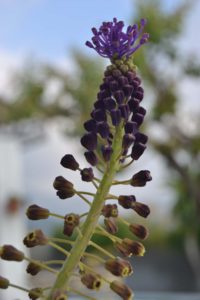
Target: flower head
pixel 110 41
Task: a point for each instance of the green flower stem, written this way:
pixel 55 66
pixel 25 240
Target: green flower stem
pixel 85 193
pixel 56 215
pixel 81 294
pixel 40 264
pixel 83 215
pixel 93 215
pixel 126 165
pixel 25 290
pixel 83 198
pixel 124 221
pixel 67 253
pixel 121 182
pixel 58 240
pixel 111 236
pixel 54 262
pixel 101 249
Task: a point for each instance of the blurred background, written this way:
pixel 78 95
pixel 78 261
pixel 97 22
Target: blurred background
pixel 48 83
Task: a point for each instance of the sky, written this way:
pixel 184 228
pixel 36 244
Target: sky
pixel 48 30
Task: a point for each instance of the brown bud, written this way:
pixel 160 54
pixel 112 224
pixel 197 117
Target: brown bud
pixel 65 189
pixel 139 230
pixel 35 212
pixel 59 295
pixel 68 161
pixel 87 174
pixel 122 290
pixel 4 283
pixel 141 178
pixel 8 252
pixel 91 281
pixel 111 225
pixel 33 269
pixel 35 238
pixel 123 249
pixel 35 293
pixel 142 209
pixel 70 222
pixel 126 201
pixel 135 248
pixel 110 210
pixel 119 267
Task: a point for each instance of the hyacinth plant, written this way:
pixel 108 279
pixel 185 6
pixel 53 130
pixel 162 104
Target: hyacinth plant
pixel 113 141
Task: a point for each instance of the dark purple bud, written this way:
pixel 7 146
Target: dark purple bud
pixel 125 111
pixel 141 209
pixel 140 89
pixel 116 73
pixel 137 150
pixel 71 221
pixel 91 281
pixel 65 189
pixel 4 283
pixel 99 115
pixel 35 238
pixel 87 174
pixel 128 89
pixel 35 212
pixel 128 140
pixel 131 76
pixel 139 230
pixel 68 161
pixel 90 125
pixel 139 96
pixel 119 267
pixel 131 127
pixel 91 158
pixel 106 152
pixel 122 81
pixel 126 201
pixel 141 110
pixel 110 210
pixel 113 85
pixel 103 130
pixel 103 94
pixel 115 116
pixel 121 289
pixel 99 104
pixel 10 253
pixel 89 141
pixel 133 104
pixel 107 80
pixel 141 138
pixel 141 178
pixel 111 225
pixel 137 81
pixel 119 96
pixel 103 86
pixel 109 103
pixel 33 269
pixel 35 293
pixel 138 118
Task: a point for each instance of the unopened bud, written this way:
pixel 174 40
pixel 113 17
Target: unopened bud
pixel 135 248
pixel 35 238
pixel 123 249
pixel 142 209
pixel 91 281
pixel 8 252
pixel 121 289
pixel 70 222
pixel 33 269
pixel 35 293
pixel 126 201
pixel 4 283
pixel 35 212
pixel 65 189
pixel 139 230
pixel 87 174
pixel 111 225
pixel 110 210
pixel 141 178
pixel 68 161
pixel 119 267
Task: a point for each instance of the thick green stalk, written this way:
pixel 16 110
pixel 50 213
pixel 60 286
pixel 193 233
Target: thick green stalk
pixel 82 242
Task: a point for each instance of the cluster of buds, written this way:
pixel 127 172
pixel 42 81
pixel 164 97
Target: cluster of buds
pixel 113 141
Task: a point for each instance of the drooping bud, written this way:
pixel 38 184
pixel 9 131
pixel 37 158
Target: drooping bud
pixel 91 281
pixel 111 225
pixel 141 178
pixel 128 140
pixel 142 209
pixel 139 230
pixel 135 248
pixel 68 161
pixel 123 249
pixel 137 150
pixel 10 253
pixel 90 125
pixel 103 129
pixel 70 222
pixel 110 210
pixel 87 174
pixel 91 158
pixel 126 201
pixel 4 283
pixel 35 212
pixel 65 189
pixel 119 267
pixel 131 127
pixel 35 293
pixel 121 289
pixel 35 238
pixel 89 141
pixel 33 268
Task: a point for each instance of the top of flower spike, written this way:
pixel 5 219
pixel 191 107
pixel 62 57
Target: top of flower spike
pixel 111 42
